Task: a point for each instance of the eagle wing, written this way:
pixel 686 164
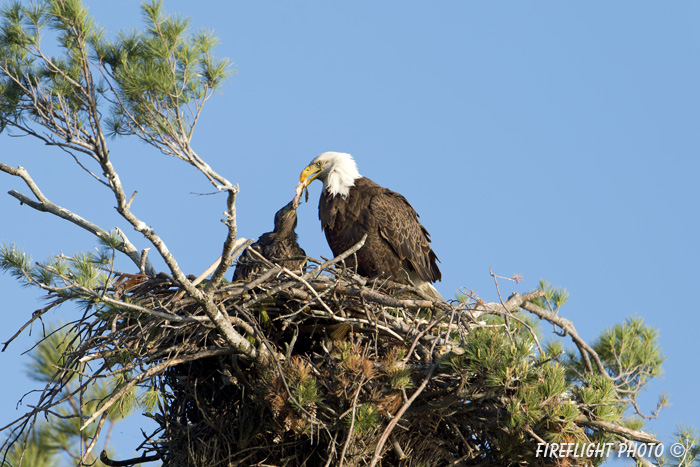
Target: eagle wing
pixel 399 226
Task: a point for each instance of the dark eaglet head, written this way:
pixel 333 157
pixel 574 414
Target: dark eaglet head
pixel 286 218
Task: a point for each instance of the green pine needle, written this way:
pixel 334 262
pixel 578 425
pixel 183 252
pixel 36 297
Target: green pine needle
pixel 16 262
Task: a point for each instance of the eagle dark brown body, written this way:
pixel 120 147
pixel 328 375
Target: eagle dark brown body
pixel 397 245
pixel 277 246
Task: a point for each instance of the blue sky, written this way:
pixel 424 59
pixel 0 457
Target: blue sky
pixel 558 140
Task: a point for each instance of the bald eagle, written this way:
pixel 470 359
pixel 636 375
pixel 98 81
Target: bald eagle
pixel 279 246
pixel 397 245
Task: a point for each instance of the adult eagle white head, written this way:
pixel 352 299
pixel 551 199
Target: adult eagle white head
pixel 397 245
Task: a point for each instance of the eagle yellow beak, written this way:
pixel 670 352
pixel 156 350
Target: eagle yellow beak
pixel 309 174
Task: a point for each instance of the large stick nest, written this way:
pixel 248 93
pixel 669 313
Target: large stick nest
pixel 341 360
pixel 325 368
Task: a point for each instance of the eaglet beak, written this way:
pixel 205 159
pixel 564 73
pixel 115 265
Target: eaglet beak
pixel 309 174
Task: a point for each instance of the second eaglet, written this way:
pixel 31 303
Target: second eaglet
pixel 279 246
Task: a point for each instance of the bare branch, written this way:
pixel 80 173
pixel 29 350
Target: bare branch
pixel 569 328
pixel 104 458
pixel 154 370
pixel 628 433
pixel 397 417
pixel 45 205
